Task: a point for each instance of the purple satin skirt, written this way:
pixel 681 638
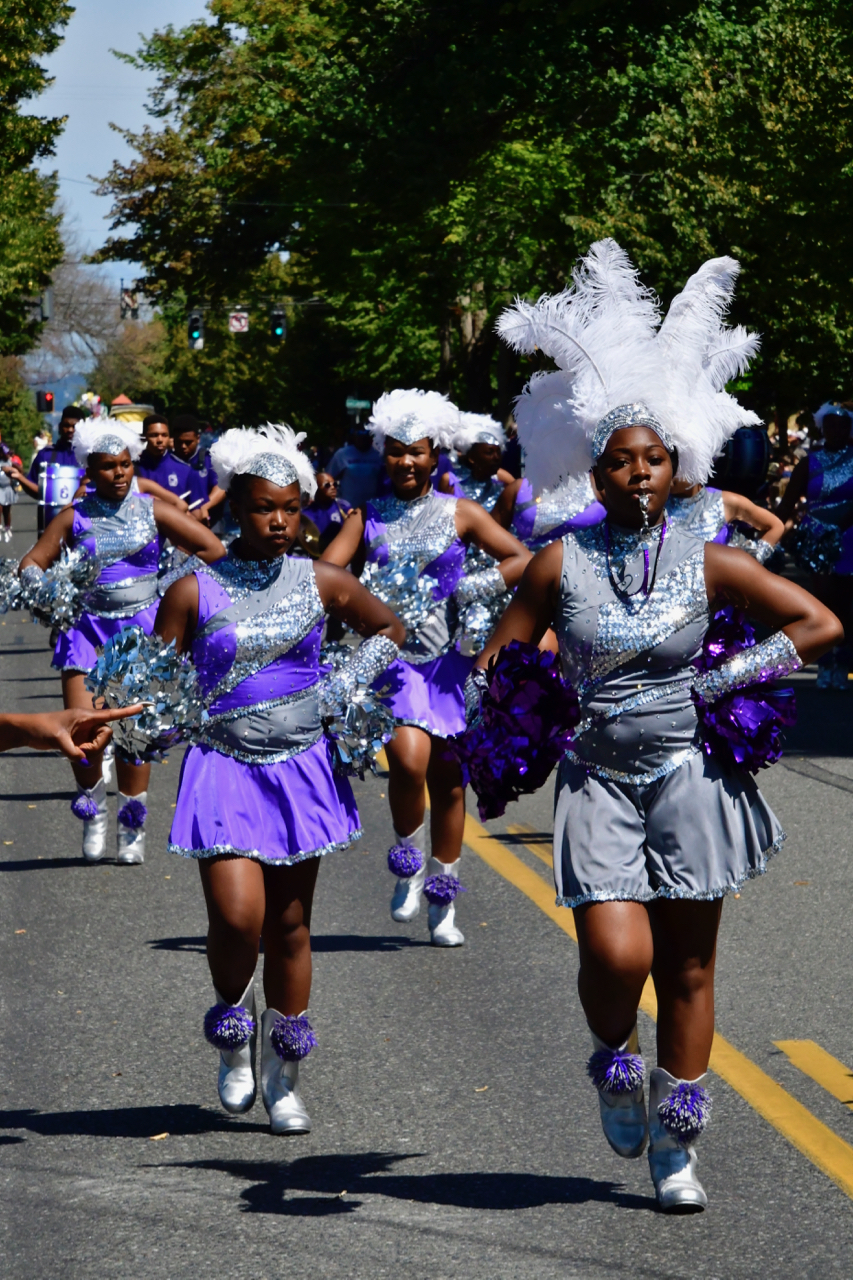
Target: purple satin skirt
pixel 77 648
pixel 429 696
pixel 275 813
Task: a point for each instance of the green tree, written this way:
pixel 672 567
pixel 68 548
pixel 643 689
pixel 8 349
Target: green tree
pixel 30 244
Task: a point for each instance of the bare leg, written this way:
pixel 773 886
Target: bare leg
pixel 685 951
pixel 236 901
pixel 133 779
pixel 615 942
pixel 408 759
pixel 287 935
pixel 75 694
pixel 447 803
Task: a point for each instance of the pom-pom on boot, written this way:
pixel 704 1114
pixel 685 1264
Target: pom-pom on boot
pixel 407 861
pixel 232 1029
pixel 91 806
pixel 619 1076
pixel 441 888
pixel 679 1110
pixel 130 835
pixel 285 1041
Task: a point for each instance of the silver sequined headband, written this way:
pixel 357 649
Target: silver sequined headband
pixel 272 467
pixel 113 445
pixel 410 429
pixel 484 437
pixel 628 415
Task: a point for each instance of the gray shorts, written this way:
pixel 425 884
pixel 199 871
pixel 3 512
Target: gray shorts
pixel 698 832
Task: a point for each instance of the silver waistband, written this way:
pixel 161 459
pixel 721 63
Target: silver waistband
pixel 266 732
pixel 122 599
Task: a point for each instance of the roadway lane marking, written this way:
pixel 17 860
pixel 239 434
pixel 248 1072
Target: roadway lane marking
pixel 815 1062
pixel 813 1139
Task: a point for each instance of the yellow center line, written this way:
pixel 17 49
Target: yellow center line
pixel 813 1061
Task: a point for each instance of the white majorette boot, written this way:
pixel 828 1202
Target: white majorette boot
pixel 232 1029
pixel 407 861
pixel 285 1041
pixel 91 806
pixel 441 888
pixel 107 761
pixel 130 835
pixel 619 1075
pixel 679 1110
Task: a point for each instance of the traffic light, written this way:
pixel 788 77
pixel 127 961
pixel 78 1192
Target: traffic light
pixel 278 325
pixel 44 401
pixel 195 331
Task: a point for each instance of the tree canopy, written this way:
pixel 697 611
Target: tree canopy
pixel 423 161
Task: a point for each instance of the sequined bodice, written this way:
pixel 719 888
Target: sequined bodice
pixel 703 515
pixel 484 492
pixel 416 531
pixel 830 484
pixel 259 629
pixel 116 532
pixel 558 505
pixel 630 656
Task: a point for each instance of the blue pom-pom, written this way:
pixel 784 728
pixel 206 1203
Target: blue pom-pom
pixel 442 890
pixel 293 1038
pixel 228 1026
pixel 84 807
pixel 685 1112
pixel 404 860
pixel 133 814
pixel 615 1071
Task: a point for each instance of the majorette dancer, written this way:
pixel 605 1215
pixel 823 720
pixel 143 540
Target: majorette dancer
pixel 715 514
pixel 258 801
pixel 652 829
pixel 120 530
pixel 823 542
pixel 413 544
pixel 479 443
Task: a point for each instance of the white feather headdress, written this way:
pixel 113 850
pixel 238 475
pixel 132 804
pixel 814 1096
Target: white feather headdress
pixel 410 415
pixel 613 352
pixel 478 428
pixel 271 452
pixel 104 435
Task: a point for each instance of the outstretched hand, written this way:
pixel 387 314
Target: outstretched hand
pixel 75 732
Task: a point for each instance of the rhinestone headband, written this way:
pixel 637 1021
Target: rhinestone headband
pixel 628 415
pixel 273 467
pixel 410 429
pixel 484 437
pixel 113 445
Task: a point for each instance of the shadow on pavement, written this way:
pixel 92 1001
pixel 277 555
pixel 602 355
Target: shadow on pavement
pixel 179 944
pixel 319 942
pixel 344 1176
pixel 823 717
pixel 49 864
pixel 38 795
pixel 127 1122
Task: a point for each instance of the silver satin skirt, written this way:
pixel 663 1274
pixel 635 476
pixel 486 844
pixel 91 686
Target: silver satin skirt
pixel 697 832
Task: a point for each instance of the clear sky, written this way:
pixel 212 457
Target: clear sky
pixel 93 89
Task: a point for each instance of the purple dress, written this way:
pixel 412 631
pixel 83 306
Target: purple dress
pixel 415 559
pixel 123 537
pixel 259 784
pixel 537 522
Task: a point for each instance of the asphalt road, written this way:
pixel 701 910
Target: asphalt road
pixel 455 1133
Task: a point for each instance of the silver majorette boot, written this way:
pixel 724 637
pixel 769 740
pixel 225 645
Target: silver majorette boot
pixel 619 1075
pixel 407 861
pixel 285 1041
pixel 440 889
pixel 130 833
pixel 91 806
pixel 232 1029
pixel 679 1110
pixel 107 762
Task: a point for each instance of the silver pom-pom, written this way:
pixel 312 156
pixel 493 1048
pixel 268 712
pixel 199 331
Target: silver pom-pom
pixel 58 598
pixel 12 589
pixel 358 729
pixel 135 667
pixel 401 586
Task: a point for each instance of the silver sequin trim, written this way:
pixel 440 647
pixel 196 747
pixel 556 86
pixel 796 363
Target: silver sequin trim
pixel 120 529
pixel 702 515
pixel 836 470
pixel 638 780
pixel 131 609
pixel 229 850
pixel 769 660
pixel 628 415
pixel 652 694
pixel 272 467
pixel 557 506
pixel 480 586
pixel 708 895
pixel 484 492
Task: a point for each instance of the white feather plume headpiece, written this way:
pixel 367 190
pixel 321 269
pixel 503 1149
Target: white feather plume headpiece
pixel 478 428
pixel 271 452
pixel 100 435
pixel 619 365
pixel 410 415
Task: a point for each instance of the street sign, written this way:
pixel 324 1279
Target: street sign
pixel 354 405
pixel 238 321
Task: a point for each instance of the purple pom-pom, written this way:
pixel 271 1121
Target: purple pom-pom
pixel 133 814
pixel 84 807
pixel 615 1071
pixel 228 1026
pixel 442 889
pixel 742 729
pixel 293 1038
pixel 525 726
pixel 685 1112
pixel 404 860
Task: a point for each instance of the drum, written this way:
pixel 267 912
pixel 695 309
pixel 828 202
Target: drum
pixel 58 483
